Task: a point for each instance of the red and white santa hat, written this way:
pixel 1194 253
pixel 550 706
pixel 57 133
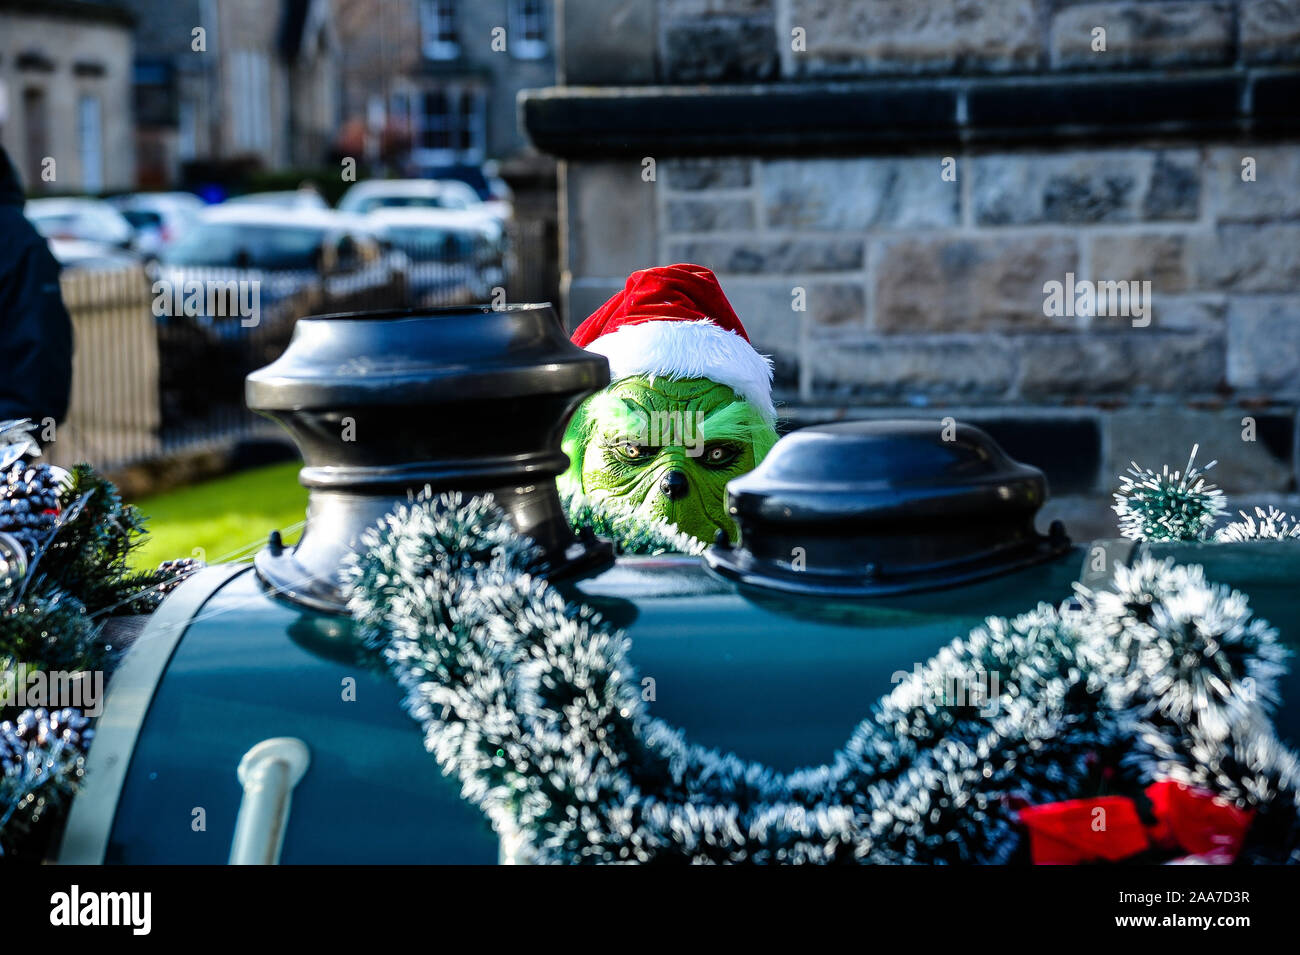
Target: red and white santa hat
pixel 675 321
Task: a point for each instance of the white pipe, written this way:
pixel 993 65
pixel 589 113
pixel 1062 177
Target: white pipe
pixel 268 772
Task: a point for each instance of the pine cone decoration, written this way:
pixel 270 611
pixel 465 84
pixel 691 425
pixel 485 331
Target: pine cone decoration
pixel 177 570
pixel 43 728
pixel 169 575
pixel 29 504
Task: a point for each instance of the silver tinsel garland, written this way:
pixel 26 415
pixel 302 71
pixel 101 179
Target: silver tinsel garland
pixel 630 534
pixel 1183 506
pixel 533 705
pixel 1272 524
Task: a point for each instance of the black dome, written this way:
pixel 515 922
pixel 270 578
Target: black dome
pixel 881 507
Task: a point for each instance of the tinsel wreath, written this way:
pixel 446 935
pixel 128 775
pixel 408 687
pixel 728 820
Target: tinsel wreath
pixel 1184 506
pixel 1169 505
pixel 75 536
pixel 534 706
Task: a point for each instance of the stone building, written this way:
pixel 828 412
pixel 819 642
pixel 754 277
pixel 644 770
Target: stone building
pixel 234 81
pixel 433 84
pixel 448 71
pixel 887 190
pixel 65 94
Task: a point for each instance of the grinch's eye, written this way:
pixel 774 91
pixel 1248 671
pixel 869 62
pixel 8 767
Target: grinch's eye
pixel 720 455
pixel 629 451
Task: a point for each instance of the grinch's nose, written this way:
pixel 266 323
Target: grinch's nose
pixel 674 485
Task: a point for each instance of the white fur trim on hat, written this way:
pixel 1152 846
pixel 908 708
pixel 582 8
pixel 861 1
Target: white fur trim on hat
pixel 690 349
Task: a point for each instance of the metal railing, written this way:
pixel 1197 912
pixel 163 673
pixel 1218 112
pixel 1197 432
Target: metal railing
pixel 160 358
pixel 115 413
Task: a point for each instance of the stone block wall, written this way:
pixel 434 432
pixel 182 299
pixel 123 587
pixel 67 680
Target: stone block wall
pixel 741 40
pixel 911 280
pixel 876 280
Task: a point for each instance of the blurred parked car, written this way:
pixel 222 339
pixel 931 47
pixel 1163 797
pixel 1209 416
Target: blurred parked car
pixel 280 267
pixel 449 253
pixel 93 220
pixel 289 199
pixel 159 217
pixel 80 255
pixel 285 256
pixel 490 188
pixel 373 194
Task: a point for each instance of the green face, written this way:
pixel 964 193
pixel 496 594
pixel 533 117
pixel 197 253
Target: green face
pixel 666 450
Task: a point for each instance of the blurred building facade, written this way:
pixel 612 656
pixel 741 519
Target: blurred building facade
pixel 885 189
pixel 433 84
pixel 65 94
pixel 441 76
pixel 234 82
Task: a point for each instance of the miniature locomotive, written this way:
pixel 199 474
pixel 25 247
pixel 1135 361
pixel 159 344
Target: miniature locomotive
pixel 247 723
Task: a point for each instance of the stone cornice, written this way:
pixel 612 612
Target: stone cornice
pixel 83 10
pixel 897 114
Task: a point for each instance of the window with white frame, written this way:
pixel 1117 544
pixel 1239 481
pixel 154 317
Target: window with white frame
pixel 250 93
pixel 90 138
pixel 187 131
pixel 448 124
pixel 438 36
pixel 528 29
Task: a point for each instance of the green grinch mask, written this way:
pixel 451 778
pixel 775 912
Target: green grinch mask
pixel 664 449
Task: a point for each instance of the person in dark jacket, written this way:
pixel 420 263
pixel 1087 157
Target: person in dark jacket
pixel 35 330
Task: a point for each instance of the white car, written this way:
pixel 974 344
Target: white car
pixel 450 194
pixel 159 217
pixel 91 220
pixel 491 189
pixel 289 199
pixel 78 255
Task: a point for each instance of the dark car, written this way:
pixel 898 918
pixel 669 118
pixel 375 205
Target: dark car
pixel 284 254
pixel 449 253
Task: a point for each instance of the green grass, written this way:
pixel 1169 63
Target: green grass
pixel 222 516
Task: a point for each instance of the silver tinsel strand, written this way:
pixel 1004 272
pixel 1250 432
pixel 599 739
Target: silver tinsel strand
pixel 1170 505
pixel 533 705
pixel 1270 525
pixel 630 534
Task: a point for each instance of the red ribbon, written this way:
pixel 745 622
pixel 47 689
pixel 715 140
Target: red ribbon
pixel 1109 829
